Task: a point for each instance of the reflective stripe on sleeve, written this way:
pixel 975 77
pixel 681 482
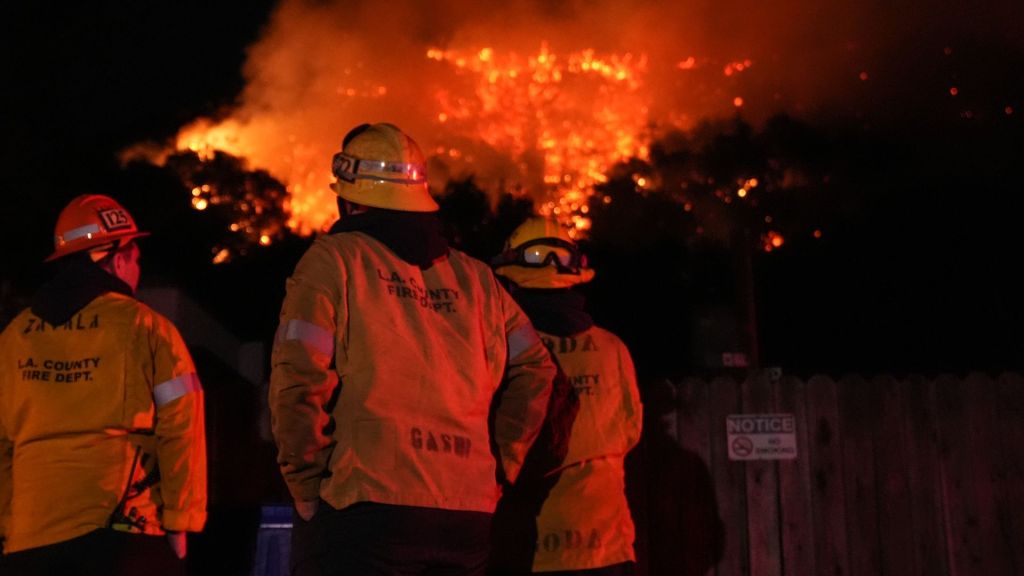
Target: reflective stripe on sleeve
pixel 320 339
pixel 175 388
pixel 521 339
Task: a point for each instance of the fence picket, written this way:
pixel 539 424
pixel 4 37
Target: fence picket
pixel 699 523
pixel 762 489
pixel 895 518
pixel 829 490
pixel 730 481
pixel 962 535
pixel 981 415
pixel 859 406
pixel 923 475
pixel 1009 466
pixel 795 503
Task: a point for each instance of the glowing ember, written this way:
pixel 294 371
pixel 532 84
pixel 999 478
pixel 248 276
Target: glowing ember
pixel 688 64
pixel 736 67
pixel 772 240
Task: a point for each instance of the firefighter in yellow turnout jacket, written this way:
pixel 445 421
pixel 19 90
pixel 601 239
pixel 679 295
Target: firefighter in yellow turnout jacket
pixel 390 352
pixel 584 522
pixel 101 414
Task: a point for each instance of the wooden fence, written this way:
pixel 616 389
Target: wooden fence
pixel 893 476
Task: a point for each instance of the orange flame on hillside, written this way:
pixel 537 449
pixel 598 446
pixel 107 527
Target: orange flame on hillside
pixel 575 114
pixel 559 121
pixel 538 98
pixel 310 203
pixel 544 111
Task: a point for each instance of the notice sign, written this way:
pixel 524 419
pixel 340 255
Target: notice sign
pixel 761 436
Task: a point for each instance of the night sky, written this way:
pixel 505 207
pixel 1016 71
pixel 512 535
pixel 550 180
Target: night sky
pixel 920 274
pixel 85 80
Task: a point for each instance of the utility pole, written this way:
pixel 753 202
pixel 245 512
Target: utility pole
pixel 747 297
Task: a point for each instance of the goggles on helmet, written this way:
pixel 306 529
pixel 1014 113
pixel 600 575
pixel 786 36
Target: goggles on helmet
pixel 350 169
pixel 543 252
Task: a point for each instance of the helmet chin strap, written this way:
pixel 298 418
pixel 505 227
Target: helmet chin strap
pixel 346 208
pixel 100 253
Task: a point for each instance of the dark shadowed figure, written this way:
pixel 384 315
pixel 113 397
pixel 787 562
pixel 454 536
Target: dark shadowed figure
pixel 679 530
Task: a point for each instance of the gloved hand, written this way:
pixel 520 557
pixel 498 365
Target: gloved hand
pixel 306 508
pixel 178 543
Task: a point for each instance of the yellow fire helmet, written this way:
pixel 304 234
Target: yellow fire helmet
pixel 382 167
pixel 541 254
pixel 93 223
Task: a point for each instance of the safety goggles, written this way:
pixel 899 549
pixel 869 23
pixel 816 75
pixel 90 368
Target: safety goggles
pixel 565 256
pixel 350 169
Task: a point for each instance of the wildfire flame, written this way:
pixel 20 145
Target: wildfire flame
pixel 541 114
pixel 536 108
pixel 542 98
pixel 310 204
pixel 560 121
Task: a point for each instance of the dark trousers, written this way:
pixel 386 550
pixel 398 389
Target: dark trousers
pixel 370 539
pixel 98 553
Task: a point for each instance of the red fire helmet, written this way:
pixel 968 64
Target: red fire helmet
pixel 90 222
